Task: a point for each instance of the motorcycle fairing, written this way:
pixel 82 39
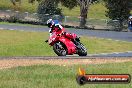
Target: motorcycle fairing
pixel 69 45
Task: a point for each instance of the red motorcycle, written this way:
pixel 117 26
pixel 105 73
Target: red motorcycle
pixel 66 44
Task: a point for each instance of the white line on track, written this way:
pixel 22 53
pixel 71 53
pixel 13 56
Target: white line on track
pixel 112 39
pixel 1 28
pixel 11 29
pixel 110 53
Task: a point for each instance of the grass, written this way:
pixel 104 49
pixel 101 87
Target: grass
pixel 20 43
pixel 24 7
pixel 97 45
pixel 96 10
pixel 19 24
pixel 17 43
pixel 54 76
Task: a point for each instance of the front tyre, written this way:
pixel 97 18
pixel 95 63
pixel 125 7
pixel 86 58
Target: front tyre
pixel 60 49
pixel 82 51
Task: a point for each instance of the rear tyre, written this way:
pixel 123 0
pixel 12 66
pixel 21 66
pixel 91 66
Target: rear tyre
pixel 82 51
pixel 60 49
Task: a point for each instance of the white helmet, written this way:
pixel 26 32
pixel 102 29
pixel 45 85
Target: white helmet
pixel 50 22
pixel 130 17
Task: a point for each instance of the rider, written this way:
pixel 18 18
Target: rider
pixel 52 24
pixel 130 23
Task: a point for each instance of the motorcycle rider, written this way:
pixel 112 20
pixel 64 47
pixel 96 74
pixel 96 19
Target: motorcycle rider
pixel 52 24
pixel 130 23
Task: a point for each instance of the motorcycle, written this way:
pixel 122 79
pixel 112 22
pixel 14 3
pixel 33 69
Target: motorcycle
pixel 66 44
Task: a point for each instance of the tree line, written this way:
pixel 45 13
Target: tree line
pixel 116 9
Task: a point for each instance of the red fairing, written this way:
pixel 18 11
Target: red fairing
pixel 65 39
pixel 71 35
pixel 69 44
pixel 74 35
pixel 58 31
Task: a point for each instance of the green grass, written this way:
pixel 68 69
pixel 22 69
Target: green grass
pixel 19 24
pixel 20 43
pixel 97 45
pixel 95 11
pixel 17 43
pixel 24 7
pixel 54 76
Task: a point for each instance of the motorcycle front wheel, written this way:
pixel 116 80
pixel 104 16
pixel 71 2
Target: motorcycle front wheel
pixel 82 51
pixel 60 49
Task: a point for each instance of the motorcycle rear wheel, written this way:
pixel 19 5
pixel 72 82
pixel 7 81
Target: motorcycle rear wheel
pixel 60 49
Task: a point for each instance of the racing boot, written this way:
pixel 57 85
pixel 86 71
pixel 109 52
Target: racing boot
pixel 46 41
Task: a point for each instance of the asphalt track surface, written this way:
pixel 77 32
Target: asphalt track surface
pixel 117 36
pixel 121 36
pixel 63 57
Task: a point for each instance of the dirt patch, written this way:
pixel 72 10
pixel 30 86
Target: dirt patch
pixel 9 63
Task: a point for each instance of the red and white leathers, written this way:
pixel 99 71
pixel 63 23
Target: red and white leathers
pixel 56 27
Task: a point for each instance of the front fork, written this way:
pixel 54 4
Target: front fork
pixel 76 41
